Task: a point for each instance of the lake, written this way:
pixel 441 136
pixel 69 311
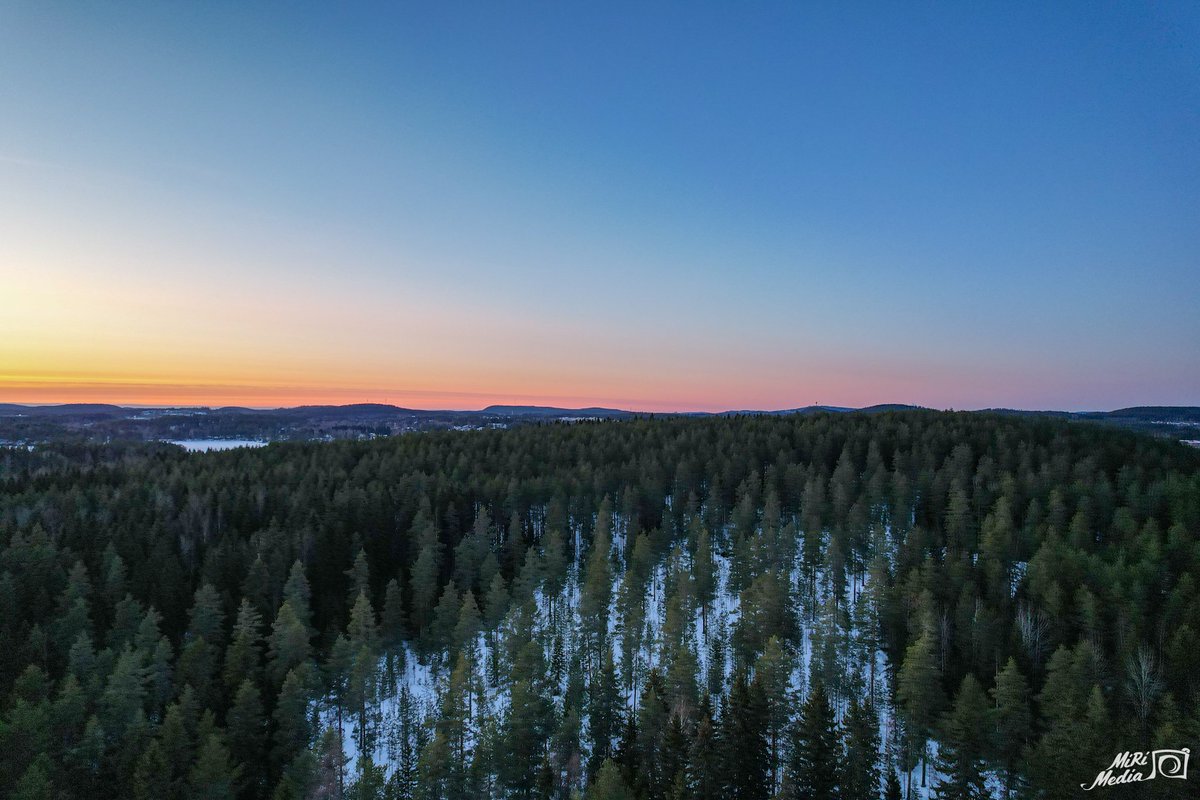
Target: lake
pixel 205 445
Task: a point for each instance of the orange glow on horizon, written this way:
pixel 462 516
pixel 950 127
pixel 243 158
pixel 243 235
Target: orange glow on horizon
pixel 665 395
pixel 263 395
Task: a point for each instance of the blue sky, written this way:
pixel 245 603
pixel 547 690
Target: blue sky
pixel 684 206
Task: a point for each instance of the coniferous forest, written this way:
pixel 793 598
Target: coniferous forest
pixel 810 606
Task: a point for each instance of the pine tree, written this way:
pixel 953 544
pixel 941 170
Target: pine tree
pixel 774 672
pixel 35 783
pixel 1013 721
pixel 246 730
pixel 207 616
pixel 631 609
pixel 1095 746
pixel 213 776
pixel 717 650
pixel 596 595
pixel 244 655
pixel 359 576
pixel 291 719
pixel 328 773
pixel 704 575
pixel 124 696
pixel 609 785
pixel 681 683
pixel 257 585
pixel 919 692
pixel 554 566
pixel 361 628
pixel 152 777
pixel 127 615
pixel 370 783
pixel 466 630
pixel 496 603
pixel 441 631
pixel 524 737
pixel 424 587
pixel 289 645
pixel 766 612
pixel 627 755
pixel 960 757
pixel 176 739
pixel 604 712
pixel 1062 704
pixel 197 668
pixel 455 726
pixel 813 772
pixel 160 677
pixel 567 759
pixel 674 755
pixel 394 624
pixel 704 779
pixel 514 543
pixel 298 595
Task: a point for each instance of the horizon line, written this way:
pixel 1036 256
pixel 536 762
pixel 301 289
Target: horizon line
pixel 544 405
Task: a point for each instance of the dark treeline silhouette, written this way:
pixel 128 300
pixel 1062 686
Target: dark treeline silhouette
pixel 818 606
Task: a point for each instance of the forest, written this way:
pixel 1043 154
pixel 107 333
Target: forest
pixel 902 604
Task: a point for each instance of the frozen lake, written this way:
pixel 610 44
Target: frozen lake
pixel 205 445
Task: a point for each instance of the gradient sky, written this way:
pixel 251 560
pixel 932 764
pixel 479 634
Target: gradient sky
pixel 694 206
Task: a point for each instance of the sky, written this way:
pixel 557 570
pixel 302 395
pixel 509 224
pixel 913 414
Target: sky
pixel 656 206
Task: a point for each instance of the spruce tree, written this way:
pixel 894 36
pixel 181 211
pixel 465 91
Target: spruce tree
pixel 891 787
pixel 860 771
pixel 653 718
pixel 704 778
pixel 744 754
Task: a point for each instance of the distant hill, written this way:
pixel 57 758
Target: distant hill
pixel 353 410
pixel 1156 413
pixel 551 411
pixel 825 409
pixel 65 410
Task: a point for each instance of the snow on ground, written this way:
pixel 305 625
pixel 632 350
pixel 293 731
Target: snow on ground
pixel 422 685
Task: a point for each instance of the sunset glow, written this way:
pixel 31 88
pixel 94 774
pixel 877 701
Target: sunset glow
pixel 241 209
